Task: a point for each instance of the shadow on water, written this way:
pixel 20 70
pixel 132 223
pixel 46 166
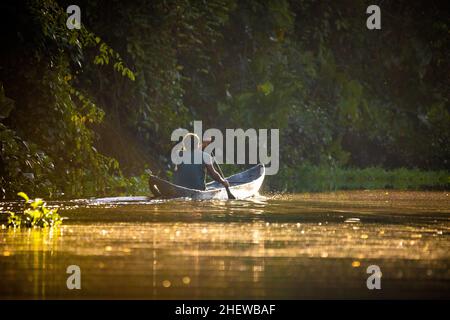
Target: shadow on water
pixel 278 246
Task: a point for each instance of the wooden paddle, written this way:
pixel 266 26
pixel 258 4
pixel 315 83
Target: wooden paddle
pixel 230 195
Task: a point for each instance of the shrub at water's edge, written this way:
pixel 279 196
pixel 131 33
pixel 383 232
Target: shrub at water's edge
pixel 34 214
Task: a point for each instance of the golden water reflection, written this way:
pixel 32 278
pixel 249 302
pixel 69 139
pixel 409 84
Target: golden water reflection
pixel 295 246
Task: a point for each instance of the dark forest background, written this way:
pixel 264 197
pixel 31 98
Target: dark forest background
pixel 84 112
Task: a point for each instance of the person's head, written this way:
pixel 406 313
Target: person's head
pixel 191 142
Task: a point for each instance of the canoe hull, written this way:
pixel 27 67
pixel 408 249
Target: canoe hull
pixel 243 185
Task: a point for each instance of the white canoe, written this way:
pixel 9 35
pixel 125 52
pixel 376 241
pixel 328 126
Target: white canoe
pixel 243 185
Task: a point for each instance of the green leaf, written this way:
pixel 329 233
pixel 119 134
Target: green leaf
pixel 24 196
pixel 37 203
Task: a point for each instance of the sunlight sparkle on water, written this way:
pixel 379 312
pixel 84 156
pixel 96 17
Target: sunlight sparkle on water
pixel 208 249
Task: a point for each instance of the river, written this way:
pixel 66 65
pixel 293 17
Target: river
pixel 281 246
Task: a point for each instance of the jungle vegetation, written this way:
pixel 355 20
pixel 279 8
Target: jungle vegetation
pixel 84 112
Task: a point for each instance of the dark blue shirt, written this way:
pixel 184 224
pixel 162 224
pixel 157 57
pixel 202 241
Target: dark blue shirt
pixel 193 175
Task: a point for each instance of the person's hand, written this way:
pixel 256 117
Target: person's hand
pixel 226 183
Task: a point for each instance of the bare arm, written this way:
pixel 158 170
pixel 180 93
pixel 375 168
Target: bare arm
pixel 215 175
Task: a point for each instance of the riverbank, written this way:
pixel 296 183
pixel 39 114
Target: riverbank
pixel 310 178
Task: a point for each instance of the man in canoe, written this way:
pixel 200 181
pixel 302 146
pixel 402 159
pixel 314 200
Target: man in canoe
pixel 192 175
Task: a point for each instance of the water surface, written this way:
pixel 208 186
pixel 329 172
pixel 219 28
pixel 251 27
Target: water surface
pixel 272 247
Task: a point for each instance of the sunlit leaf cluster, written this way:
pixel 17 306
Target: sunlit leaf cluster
pixel 34 214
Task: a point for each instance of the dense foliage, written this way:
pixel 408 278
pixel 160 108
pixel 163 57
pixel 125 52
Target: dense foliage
pixel 78 108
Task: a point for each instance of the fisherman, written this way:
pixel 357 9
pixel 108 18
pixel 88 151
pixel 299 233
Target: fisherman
pixel 192 174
